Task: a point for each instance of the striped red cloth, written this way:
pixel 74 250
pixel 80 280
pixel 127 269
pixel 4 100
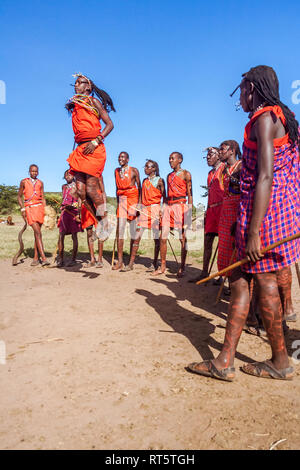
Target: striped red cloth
pixel 282 218
pixel 228 217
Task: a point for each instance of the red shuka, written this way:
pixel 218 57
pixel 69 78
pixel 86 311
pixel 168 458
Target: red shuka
pixel 128 195
pixel 33 201
pixel 175 212
pixel 86 127
pixel 151 197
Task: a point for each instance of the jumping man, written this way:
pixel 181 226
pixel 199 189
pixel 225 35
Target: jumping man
pixel 88 159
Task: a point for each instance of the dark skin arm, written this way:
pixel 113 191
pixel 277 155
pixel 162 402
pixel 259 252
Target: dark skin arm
pixel 162 188
pixel 188 179
pixel 89 148
pixel 135 179
pixel 264 131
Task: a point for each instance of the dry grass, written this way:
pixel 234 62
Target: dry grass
pixel 9 244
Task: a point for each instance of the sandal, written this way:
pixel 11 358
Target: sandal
pixel 35 262
pixel 226 374
pixel 90 264
pixel 45 263
pixel 99 264
pixel 126 269
pixel 266 370
pixel 291 318
pixel 252 329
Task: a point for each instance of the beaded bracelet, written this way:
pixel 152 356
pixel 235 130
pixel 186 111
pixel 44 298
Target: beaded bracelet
pixel 23 209
pixel 95 142
pixel 101 137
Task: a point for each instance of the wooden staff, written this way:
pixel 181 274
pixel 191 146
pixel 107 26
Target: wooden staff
pixel 298 272
pixel 21 249
pixel 173 253
pixel 246 260
pixel 224 279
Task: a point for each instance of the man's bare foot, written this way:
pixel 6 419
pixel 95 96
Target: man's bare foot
pixel 159 271
pixel 35 262
pixel 208 369
pixel 127 268
pixel 117 266
pixel 90 264
pixel 180 272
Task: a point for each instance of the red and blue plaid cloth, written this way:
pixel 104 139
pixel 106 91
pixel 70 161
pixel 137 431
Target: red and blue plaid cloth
pixel 282 218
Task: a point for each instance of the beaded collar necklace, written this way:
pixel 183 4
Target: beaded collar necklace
pixel 124 171
pixel 81 100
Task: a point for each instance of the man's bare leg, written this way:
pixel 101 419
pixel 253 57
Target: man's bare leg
pixel 134 246
pixel 99 263
pixel 90 242
pixel 236 318
pixel 183 242
pixel 39 242
pixel 163 257
pixel 271 312
pixel 120 243
pixel 284 280
pixel 61 240
pixel 156 252
pixel 75 248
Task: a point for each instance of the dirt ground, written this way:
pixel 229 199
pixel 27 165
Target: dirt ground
pixel 96 359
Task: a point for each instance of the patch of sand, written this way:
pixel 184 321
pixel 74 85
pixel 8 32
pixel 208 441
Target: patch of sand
pixel 96 360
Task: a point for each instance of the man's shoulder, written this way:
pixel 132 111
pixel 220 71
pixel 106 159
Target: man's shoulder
pixel 187 174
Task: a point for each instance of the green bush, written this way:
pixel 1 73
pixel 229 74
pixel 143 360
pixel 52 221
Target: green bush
pixel 8 199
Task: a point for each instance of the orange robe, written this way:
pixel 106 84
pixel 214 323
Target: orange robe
pixel 87 219
pixel 128 195
pixel 151 197
pixel 33 201
pixel 176 211
pixel 86 127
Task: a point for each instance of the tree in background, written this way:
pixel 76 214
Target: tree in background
pixel 8 199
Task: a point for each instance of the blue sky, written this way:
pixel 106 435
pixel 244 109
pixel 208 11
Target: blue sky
pixel 168 65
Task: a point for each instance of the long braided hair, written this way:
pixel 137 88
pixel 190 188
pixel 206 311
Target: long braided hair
pixel 266 83
pixel 233 145
pixel 103 97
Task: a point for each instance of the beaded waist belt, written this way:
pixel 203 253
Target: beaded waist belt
pixel 34 205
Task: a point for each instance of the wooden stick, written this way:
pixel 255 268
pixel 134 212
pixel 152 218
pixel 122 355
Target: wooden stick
pixel 246 260
pixel 224 279
pixel 298 272
pixel 173 252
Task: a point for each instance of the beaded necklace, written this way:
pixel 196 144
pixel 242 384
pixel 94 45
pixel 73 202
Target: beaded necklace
pixel 124 172
pixel 81 100
pixel 228 170
pixel 154 180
